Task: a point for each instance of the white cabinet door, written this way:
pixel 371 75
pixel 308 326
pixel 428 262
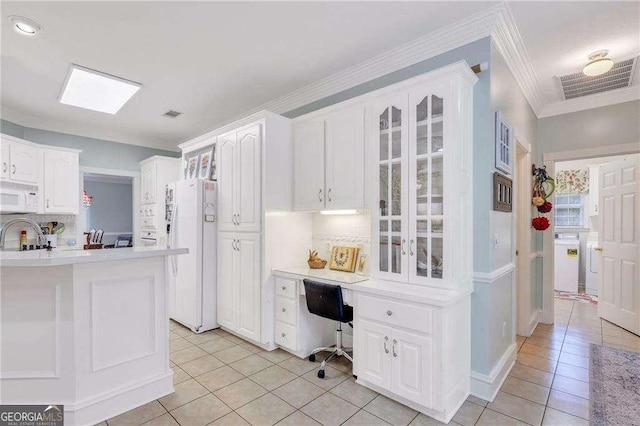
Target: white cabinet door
pixel 148 184
pixel 248 285
pixel 344 170
pixel 226 278
pixel 226 182
pixel 412 367
pixel 25 162
pixel 374 354
pixel 61 182
pixel 308 166
pixel 248 188
pixel 4 160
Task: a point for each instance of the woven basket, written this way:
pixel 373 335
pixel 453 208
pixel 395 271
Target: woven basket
pixel 317 264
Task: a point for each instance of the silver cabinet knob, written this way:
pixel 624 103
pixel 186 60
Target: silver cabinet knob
pixel 389 313
pixel 284 334
pixel 284 288
pixel 284 309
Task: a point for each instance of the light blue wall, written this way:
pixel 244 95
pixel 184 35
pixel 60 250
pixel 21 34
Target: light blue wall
pixel 112 208
pixel 95 152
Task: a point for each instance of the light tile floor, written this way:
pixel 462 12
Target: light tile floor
pixel 222 380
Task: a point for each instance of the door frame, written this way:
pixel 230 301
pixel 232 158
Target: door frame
pixel 548 248
pixel 135 193
pixel 526 317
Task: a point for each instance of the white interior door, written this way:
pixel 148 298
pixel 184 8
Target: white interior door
pixel 248 285
pixel 308 166
pixel 249 180
pixel 619 224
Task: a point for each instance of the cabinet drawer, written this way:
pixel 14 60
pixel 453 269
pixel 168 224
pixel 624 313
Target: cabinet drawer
pixel 407 315
pixel 286 336
pixel 286 310
pixel 286 288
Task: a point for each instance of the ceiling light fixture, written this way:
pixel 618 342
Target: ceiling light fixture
pixel 97 91
pixel 25 26
pixel 598 64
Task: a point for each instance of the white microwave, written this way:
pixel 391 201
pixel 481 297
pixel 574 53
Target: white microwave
pixel 18 198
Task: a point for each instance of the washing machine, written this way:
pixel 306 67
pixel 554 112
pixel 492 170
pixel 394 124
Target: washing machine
pixel 591 268
pixel 567 262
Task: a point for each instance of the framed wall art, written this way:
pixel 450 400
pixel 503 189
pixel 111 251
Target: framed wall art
pixel 344 258
pixel 504 144
pixel 206 159
pixel 192 167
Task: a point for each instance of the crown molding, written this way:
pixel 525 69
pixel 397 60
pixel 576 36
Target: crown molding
pixel 598 100
pixel 508 41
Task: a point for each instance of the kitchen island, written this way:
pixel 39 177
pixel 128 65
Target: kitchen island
pixel 85 329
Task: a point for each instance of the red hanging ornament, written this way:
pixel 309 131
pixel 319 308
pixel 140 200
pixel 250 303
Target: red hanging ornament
pixel 540 223
pixel 545 208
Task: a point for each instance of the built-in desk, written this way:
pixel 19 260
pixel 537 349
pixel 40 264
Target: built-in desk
pixel 410 342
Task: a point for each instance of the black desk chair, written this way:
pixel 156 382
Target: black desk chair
pixel 325 300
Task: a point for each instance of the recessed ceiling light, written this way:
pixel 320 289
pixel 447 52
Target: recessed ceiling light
pixel 598 64
pixel 97 91
pixel 25 26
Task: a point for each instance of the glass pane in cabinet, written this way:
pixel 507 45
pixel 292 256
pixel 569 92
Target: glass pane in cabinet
pixel 421 127
pixel 436 206
pixel 422 244
pixel 396 189
pixel 396 133
pixel 436 257
pixel 422 186
pixel 436 137
pixel 384 135
pixel 384 252
pixel 436 107
pixel 436 176
pixel 396 247
pixel 384 190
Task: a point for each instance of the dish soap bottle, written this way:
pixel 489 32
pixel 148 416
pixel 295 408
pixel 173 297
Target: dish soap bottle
pixel 23 239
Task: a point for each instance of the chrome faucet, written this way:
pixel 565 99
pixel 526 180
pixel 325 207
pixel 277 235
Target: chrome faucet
pixel 41 239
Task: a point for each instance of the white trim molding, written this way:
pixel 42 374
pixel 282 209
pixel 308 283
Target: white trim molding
pixel 486 386
pixel 598 100
pixel 489 277
pixel 599 151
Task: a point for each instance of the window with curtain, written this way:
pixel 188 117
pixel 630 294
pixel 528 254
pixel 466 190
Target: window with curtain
pixel 571 188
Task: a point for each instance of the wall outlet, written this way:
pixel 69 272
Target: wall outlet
pixel 504 330
pixel 495 241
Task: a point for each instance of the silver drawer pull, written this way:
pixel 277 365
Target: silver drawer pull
pixel 394 348
pixel 389 313
pixel 386 350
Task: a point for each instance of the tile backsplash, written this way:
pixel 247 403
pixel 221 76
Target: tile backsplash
pixel 67 238
pixel 342 230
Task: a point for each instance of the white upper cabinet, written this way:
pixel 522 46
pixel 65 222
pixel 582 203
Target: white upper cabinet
pixel 21 162
pixel 61 183
pixel 329 161
pixel 421 195
pixel 239 178
pixel 148 177
pixel 308 165
pixel 344 168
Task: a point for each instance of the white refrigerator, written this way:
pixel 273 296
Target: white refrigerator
pixel 191 216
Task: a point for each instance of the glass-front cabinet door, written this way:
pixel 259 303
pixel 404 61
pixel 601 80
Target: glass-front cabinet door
pixel 391 211
pixel 427 199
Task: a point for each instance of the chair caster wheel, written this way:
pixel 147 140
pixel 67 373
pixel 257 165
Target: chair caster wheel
pixel 320 374
pixel 312 357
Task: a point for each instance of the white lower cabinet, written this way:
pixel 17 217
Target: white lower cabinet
pixel 239 290
pixel 414 353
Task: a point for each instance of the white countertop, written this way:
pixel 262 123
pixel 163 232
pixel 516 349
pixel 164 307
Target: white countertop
pixel 358 283
pixel 325 274
pixel 68 257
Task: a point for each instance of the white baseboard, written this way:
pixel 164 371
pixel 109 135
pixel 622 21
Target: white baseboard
pixel 547 317
pixel 105 406
pixel 533 321
pixel 487 386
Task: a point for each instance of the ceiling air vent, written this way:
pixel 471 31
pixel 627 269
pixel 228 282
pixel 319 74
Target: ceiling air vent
pixel 577 84
pixel 172 114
